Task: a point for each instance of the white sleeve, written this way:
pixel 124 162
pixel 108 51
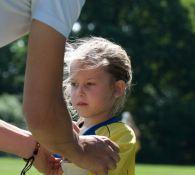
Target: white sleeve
pixel 14 20
pixel 59 14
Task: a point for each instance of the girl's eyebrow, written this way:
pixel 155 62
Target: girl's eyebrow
pixel 92 78
pixel 73 79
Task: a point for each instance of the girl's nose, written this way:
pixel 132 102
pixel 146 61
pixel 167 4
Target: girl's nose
pixel 81 90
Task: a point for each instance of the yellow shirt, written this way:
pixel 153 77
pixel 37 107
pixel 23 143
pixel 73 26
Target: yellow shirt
pixel 124 136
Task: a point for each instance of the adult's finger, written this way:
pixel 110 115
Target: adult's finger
pixel 113 155
pixel 110 162
pixel 111 149
pixel 75 127
pixel 108 155
pixel 103 169
pixel 112 144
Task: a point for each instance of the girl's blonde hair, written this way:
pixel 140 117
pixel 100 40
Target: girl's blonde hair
pixel 94 52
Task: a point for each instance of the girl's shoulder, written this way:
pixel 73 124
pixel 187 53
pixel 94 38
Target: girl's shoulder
pixel 117 131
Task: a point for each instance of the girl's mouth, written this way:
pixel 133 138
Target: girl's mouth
pixel 82 104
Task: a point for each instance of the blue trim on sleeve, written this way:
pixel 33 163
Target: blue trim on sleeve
pixel 91 131
pixel 57 155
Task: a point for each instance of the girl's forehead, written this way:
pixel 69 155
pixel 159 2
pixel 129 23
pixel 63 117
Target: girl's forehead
pixel 81 66
pixel 77 65
pixel 88 72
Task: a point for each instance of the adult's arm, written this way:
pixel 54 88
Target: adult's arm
pixel 15 140
pixel 21 143
pixel 45 109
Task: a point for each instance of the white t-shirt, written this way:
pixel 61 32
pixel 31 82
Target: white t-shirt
pixel 16 16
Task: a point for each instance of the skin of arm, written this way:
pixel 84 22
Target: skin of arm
pixel 44 106
pixel 12 138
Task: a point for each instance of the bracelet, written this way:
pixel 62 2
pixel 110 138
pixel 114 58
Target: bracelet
pixel 30 160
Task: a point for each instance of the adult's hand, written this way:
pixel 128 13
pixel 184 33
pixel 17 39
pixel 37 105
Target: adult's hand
pixel 99 154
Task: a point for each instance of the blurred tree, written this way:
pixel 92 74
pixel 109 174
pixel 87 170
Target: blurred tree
pixel 11 110
pixel 190 7
pixel 12 66
pixel 160 37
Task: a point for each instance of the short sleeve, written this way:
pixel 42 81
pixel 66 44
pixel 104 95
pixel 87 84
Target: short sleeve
pixel 124 136
pixel 14 20
pixel 59 14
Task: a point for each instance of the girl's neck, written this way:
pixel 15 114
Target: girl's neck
pixel 92 121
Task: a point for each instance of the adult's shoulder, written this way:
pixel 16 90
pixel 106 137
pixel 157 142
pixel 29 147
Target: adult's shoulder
pixel 60 14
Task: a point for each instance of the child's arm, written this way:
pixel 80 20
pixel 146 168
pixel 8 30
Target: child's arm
pixel 125 138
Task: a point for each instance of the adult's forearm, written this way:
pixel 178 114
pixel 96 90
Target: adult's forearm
pixel 52 127
pixel 44 106
pixel 15 140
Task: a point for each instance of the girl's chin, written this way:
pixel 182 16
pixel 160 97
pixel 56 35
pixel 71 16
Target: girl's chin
pixel 84 116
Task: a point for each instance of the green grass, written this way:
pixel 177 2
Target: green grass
pixel 164 170
pixel 11 166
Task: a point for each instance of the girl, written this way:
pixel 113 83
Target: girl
pixel 99 74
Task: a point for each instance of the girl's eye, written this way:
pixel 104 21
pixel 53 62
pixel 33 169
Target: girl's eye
pixel 90 84
pixel 73 84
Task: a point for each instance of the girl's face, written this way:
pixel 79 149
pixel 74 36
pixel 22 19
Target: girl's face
pixel 92 91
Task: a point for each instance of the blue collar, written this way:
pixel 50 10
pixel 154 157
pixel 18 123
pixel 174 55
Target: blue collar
pixel 91 131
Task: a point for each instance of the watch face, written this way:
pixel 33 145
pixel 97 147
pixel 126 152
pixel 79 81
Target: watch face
pixel 72 169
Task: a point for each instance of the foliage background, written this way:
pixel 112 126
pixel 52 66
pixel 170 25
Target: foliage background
pixel 160 38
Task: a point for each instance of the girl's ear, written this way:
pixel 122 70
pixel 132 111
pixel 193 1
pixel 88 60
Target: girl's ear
pixel 120 87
